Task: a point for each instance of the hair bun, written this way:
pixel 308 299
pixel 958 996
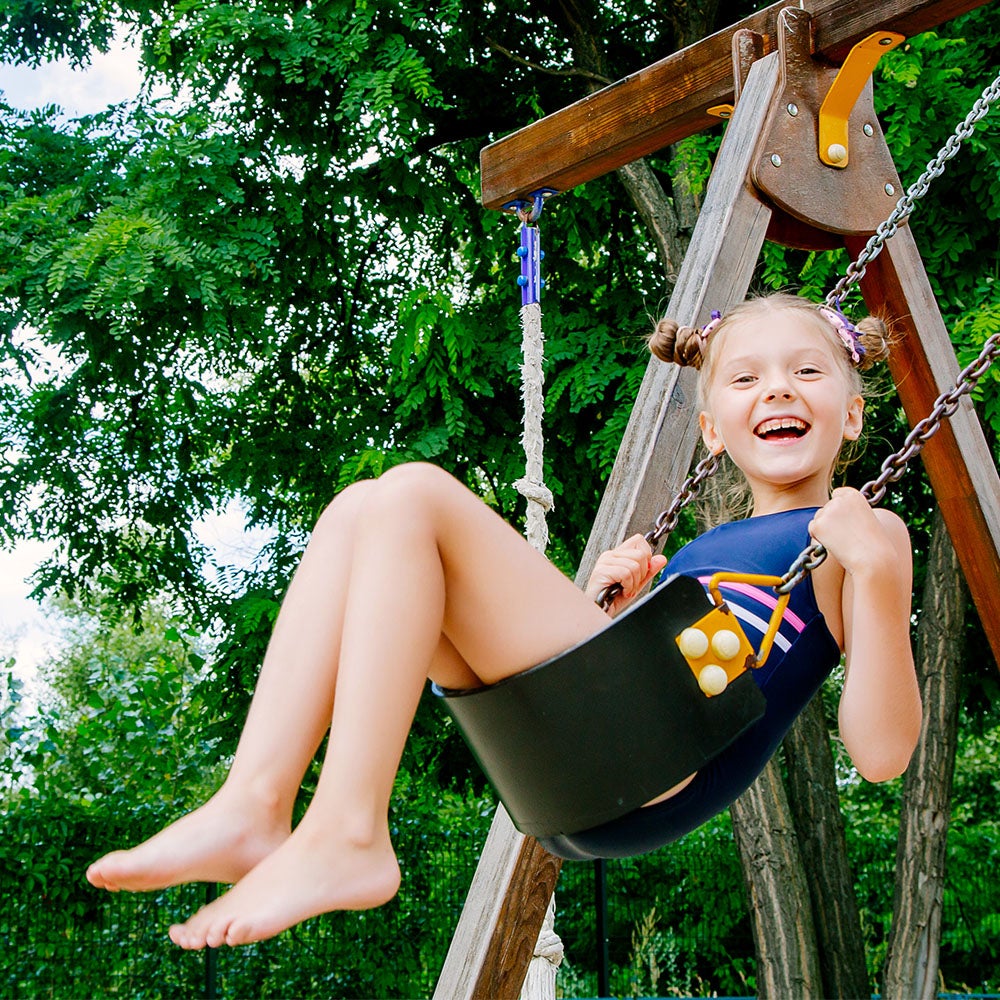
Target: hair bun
pixel 873 336
pixel 678 344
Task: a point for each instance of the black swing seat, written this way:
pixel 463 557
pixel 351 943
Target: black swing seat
pixel 608 725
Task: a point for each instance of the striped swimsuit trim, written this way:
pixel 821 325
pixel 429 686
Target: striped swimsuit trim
pixel 766 598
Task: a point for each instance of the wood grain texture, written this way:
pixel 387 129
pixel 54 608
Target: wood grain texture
pixel 851 199
pixel 503 913
pixel 911 966
pixel 819 825
pixel 667 101
pixel 958 460
pixel 788 965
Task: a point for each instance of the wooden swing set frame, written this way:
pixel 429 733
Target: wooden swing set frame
pixel 773 179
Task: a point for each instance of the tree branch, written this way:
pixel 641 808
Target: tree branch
pixel 497 47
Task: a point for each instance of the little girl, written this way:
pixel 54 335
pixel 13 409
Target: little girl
pixel 411 576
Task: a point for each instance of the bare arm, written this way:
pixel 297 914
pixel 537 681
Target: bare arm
pixel 880 709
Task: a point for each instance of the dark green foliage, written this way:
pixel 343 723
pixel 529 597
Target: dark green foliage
pixel 66 939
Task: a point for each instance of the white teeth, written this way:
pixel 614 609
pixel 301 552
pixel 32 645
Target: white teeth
pixel 781 424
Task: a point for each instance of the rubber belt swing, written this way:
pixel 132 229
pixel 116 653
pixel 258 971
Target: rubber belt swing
pixel 606 726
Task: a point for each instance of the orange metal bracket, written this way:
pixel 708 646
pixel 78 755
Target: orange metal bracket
pixel 756 580
pixel 844 92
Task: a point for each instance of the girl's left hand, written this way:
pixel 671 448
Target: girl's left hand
pixel 849 529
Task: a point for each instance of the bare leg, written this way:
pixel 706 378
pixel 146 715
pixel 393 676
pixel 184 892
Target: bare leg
pixel 431 561
pixel 251 814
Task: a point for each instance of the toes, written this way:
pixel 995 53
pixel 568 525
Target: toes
pixel 99 880
pixel 241 932
pixel 179 935
pixel 204 930
pixel 218 935
pixel 187 936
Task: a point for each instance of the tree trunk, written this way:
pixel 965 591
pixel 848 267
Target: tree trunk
pixel 812 794
pixel 657 211
pixel 787 958
pixel 911 968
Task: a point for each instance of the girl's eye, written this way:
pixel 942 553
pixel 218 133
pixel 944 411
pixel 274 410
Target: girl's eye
pixel 744 379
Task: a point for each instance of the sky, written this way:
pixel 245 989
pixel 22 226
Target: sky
pixel 109 79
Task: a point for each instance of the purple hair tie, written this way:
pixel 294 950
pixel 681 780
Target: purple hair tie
pixel 844 329
pixel 710 327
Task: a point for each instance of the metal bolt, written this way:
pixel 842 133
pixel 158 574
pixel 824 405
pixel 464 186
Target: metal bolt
pixel 868 130
pixel 885 41
pixel 775 159
pixel 890 190
pixel 792 109
pixel 836 152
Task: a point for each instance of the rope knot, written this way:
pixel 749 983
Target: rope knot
pixel 536 492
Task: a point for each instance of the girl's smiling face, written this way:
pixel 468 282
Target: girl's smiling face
pixel 780 401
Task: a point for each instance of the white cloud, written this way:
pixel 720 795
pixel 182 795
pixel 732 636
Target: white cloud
pixel 111 78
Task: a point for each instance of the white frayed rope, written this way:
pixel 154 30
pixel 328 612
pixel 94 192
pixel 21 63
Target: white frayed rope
pixel 532 486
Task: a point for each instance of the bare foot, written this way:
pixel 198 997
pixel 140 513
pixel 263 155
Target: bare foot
pixel 220 842
pixel 311 873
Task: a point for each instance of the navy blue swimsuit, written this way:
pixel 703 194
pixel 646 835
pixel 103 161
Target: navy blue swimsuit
pixel 802 657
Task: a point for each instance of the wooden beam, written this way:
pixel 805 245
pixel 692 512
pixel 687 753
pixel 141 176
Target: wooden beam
pixel 655 454
pixel 669 100
pixel 959 463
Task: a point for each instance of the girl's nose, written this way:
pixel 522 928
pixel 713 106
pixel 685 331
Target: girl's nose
pixel 776 393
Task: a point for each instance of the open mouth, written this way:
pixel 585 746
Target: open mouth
pixel 781 429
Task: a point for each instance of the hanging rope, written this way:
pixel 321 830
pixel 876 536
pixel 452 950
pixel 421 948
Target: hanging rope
pixel 532 486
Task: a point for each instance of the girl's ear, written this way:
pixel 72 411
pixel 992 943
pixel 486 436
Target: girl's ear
pixel 710 433
pixel 854 419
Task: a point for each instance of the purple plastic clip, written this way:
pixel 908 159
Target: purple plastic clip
pixel 531 265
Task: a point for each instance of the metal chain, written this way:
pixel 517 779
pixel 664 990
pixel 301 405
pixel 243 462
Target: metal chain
pixel 896 464
pixel 887 229
pixel 667 519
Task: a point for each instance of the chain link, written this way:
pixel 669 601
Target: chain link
pixel 887 229
pixel 667 519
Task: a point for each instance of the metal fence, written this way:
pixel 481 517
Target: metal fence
pixel 670 917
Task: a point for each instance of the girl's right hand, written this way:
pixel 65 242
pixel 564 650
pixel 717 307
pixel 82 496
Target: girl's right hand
pixel 631 564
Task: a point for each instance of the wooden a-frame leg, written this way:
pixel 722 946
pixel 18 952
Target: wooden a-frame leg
pixel 503 912
pixel 958 459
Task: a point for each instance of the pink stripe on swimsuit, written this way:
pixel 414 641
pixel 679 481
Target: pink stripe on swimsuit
pixel 764 597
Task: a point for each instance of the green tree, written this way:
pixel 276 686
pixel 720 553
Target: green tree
pixel 116 717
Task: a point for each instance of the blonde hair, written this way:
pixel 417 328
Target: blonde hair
pixel 728 495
